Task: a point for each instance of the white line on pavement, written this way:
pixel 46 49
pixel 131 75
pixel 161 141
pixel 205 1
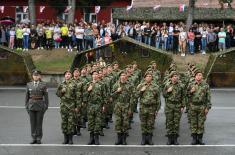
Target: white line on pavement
pixel 127 146
pixel 22 107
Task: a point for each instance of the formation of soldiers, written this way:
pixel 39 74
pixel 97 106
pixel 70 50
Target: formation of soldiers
pixel 97 92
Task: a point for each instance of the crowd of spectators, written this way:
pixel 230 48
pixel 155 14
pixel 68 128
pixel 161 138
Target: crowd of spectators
pixel 79 36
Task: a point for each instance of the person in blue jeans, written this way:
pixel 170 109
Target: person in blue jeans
pixel 204 34
pixel 26 33
pixel 191 37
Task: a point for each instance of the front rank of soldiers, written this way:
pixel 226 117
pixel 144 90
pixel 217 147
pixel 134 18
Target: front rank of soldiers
pixel 97 92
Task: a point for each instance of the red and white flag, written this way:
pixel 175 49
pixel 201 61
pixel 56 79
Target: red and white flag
pixel 2 9
pixel 156 7
pixel 182 7
pixel 97 9
pixel 67 8
pixel 42 9
pixel 129 6
pixel 225 5
pixel 25 8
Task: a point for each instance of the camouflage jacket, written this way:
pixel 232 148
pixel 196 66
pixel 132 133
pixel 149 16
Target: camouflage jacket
pixel 96 95
pixel 176 95
pixel 149 97
pixel 67 93
pixel 202 94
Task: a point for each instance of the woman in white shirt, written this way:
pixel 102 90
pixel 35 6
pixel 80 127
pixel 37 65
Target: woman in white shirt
pixel 57 36
pixel 12 38
pixel 79 33
pixel 26 32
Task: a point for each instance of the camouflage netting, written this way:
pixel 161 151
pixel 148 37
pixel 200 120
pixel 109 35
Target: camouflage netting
pixel 222 73
pixel 15 68
pixel 171 14
pixel 125 51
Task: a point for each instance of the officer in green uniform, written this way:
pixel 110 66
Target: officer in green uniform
pixel 200 102
pixel 68 105
pixel 149 94
pixel 174 97
pixel 36 104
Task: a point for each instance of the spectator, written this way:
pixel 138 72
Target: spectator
pixel 40 33
pixel 147 34
pixel 64 35
pixel 182 41
pixel 12 38
pixel 211 40
pixel 57 36
pixel 191 37
pixel 3 36
pixel 70 38
pixel 176 33
pixel 33 37
pixel 221 36
pixel 26 33
pixel 204 34
pixel 19 37
pixel 79 32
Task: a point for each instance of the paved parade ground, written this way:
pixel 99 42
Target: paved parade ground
pixel 15 130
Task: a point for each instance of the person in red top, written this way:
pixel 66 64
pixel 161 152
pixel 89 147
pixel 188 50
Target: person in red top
pixel 191 37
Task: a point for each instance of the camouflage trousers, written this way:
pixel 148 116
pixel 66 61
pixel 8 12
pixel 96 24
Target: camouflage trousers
pixel 78 117
pixel 121 117
pixel 147 118
pixel 94 118
pixel 198 118
pixel 67 117
pixel 173 116
pixel 84 111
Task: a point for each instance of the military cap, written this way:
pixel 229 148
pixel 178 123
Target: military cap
pixel 67 71
pixel 97 71
pixel 197 71
pixel 134 62
pixel 128 66
pixel 121 72
pixel 148 73
pixel 173 73
pixel 36 72
pixel 75 69
pixel 115 62
pixel 152 62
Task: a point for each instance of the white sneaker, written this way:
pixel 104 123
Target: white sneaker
pixel 203 52
pixel 66 47
pixel 24 49
pixel 68 50
pixel 62 46
pixel 27 49
pixel 41 48
pixel 38 48
pixel 182 54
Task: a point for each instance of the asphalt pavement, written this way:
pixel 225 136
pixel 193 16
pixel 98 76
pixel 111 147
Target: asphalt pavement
pixel 15 130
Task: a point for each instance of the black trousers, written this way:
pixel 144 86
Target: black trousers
pixel 36 119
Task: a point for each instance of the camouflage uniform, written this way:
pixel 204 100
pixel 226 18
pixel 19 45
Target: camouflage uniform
pixel 174 103
pixel 199 101
pixel 95 102
pixel 149 105
pixel 67 93
pixel 122 107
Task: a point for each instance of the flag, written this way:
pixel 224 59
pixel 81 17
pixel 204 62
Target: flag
pixel 97 9
pixel 156 7
pixel 67 8
pixel 128 8
pixel 2 9
pixel 42 9
pixel 25 8
pixel 225 5
pixel 182 7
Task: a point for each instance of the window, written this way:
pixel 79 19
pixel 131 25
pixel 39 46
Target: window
pixel 20 14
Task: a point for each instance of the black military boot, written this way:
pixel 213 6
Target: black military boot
pixel 143 141
pixel 92 140
pixel 124 135
pixel 119 139
pixel 169 142
pixel 149 140
pixel 101 133
pixel 97 139
pixel 34 141
pixel 110 118
pixel 78 133
pixel 70 139
pixel 66 139
pixel 84 123
pixel 199 140
pixel 175 139
pixel 107 123
pixel 194 140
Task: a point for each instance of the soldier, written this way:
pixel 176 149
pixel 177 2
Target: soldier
pixel 200 102
pixel 156 72
pixel 149 94
pixel 79 99
pixel 121 94
pixel 174 97
pixel 36 104
pixel 95 101
pixel 66 93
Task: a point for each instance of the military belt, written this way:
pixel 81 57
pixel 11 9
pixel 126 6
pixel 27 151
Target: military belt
pixel 36 97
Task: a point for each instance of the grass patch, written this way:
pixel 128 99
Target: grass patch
pixel 55 61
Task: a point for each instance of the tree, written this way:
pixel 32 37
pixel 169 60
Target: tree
pixel 71 12
pixel 32 15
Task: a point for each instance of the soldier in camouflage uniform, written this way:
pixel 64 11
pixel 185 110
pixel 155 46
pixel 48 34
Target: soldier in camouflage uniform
pixel 156 73
pixel 36 104
pixel 79 99
pixel 121 94
pixel 67 94
pixel 149 94
pixel 174 97
pixel 200 102
pixel 95 100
